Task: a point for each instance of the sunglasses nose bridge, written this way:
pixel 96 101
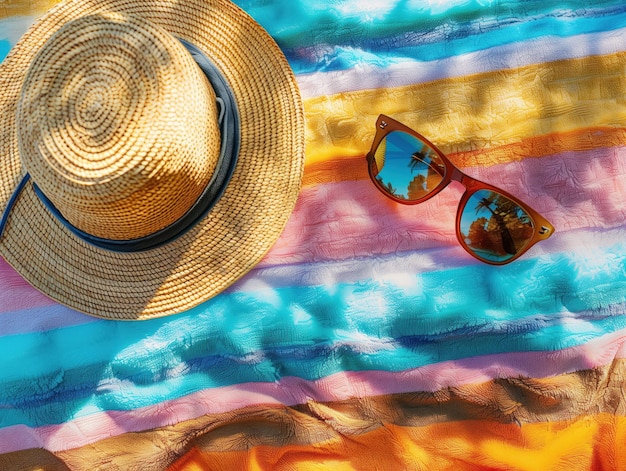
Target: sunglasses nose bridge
pixel 456 175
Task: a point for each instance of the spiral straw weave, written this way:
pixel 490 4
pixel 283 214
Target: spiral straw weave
pixel 121 136
pixel 124 148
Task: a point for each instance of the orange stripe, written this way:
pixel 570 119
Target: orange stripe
pixel 328 429
pixel 584 443
pixel 589 442
pixel 352 167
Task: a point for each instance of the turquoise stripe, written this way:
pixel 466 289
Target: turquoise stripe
pixel 547 304
pixel 241 323
pixel 300 361
pixel 441 43
pixel 352 21
pixel 5 47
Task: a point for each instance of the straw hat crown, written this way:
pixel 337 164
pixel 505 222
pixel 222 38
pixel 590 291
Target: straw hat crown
pixel 151 152
pixel 118 125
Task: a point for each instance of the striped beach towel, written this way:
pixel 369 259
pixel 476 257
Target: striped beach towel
pixel 367 338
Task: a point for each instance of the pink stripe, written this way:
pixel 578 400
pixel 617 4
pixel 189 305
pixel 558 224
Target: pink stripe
pixel 293 390
pixel 338 221
pixel 15 293
pixel 25 309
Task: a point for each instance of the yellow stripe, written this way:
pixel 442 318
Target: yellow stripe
pixel 478 111
pixel 25 7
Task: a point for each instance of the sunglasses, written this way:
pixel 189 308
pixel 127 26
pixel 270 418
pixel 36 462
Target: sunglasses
pixel 491 224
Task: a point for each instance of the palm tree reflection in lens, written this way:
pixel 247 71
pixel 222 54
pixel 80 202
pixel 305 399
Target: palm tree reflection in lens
pixel 501 235
pixel 397 168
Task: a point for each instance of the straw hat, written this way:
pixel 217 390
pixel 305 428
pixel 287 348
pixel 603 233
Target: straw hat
pixel 150 153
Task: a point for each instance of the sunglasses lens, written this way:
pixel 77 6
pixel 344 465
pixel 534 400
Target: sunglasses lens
pixel 494 227
pixel 406 167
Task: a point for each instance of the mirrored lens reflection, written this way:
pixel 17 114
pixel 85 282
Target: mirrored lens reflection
pixel 406 167
pixel 494 227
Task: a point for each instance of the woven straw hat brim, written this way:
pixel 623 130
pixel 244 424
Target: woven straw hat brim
pixel 240 228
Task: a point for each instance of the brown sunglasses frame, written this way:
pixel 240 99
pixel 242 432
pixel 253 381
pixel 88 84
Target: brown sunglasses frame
pixel 542 229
